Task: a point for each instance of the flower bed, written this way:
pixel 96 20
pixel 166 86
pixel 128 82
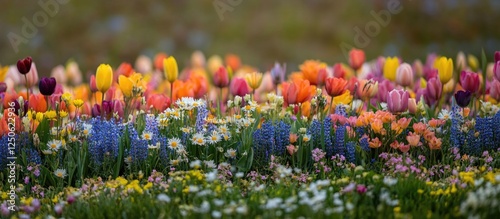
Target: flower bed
pixel 368 139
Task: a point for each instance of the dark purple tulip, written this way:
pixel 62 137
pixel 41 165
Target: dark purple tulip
pixel 463 98
pixel 497 56
pixel 17 107
pixel 278 73
pixel 3 87
pixel 47 86
pixel 24 65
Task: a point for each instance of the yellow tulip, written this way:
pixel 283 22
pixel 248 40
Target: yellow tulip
pixel 473 62
pixel 254 80
pixel 445 69
pixel 449 87
pixel 126 85
pixel 345 98
pixel 170 69
pixel 390 67
pixel 3 72
pixel 104 77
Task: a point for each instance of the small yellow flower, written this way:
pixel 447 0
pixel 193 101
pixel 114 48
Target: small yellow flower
pixel 4 195
pixel 66 97
pixel 420 191
pixel 63 113
pixel 397 210
pixel 51 114
pixel 345 98
pixel 78 103
pixel 170 69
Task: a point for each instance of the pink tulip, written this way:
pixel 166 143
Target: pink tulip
pixel 397 101
pixel 93 86
pixel 384 87
pixel 412 105
pixel 239 87
pixel 496 70
pixel 470 81
pixel 119 108
pixel 433 91
pixel 495 89
pixel 404 75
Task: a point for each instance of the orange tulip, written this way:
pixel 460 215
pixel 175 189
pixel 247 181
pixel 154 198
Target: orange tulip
pixel 367 89
pixel 233 61
pixel 182 89
pixel 314 71
pixel 298 91
pixel 4 127
pixel 37 102
pixel 335 86
pixel 159 102
pixel 305 109
pixel 159 60
pixel 374 143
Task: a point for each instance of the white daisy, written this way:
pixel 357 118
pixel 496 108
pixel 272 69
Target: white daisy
pixel 147 136
pixel 155 146
pixel 195 164
pixel 174 143
pixel 306 138
pixel 214 138
pixel 230 153
pixel 444 114
pixel 198 139
pixel 86 129
pixel 54 145
pixel 175 162
pixel 61 173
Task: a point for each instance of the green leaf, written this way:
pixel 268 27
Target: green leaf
pixel 43 130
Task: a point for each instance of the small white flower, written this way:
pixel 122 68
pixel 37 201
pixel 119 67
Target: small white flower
pixel 174 143
pixel 61 173
pixel 210 164
pixel 195 164
pixel 214 138
pixel 239 175
pixel 198 139
pixel 230 153
pixel 163 198
pixel 54 145
pixel 444 114
pixel 155 146
pixel 216 214
pixel 147 136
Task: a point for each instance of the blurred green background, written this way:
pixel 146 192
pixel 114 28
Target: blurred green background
pixel 260 31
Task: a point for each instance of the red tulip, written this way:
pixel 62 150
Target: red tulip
pixel 298 91
pixel 356 58
pixel 37 102
pixel 221 78
pixel 93 86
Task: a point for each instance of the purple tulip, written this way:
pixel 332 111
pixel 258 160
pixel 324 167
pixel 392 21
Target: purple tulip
pixel 3 87
pixel 47 86
pixel 433 91
pixel 96 110
pixel 463 98
pixel 24 65
pixel 397 101
pixel 497 56
pixel 278 73
pixel 384 87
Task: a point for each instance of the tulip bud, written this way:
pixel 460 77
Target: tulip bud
pixel 24 65
pixel 404 75
pixel 461 61
pixel 473 62
pixel 254 79
pixel 47 86
pixel 125 85
pixel 118 107
pixel 93 86
pixel 158 61
pixel 418 68
pixel 497 56
pixel 412 105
